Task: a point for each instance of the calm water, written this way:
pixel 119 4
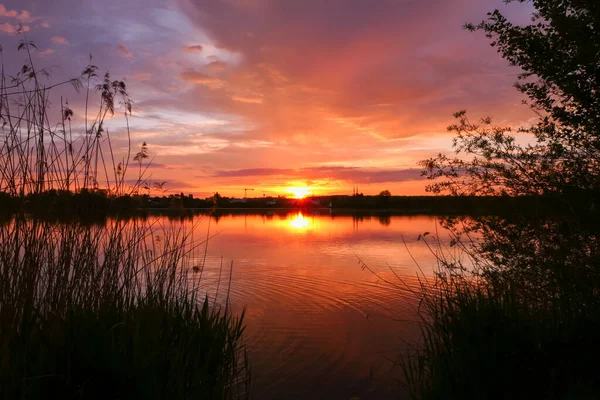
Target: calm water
pixel 319 325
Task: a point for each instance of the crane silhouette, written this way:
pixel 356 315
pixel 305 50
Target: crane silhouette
pixel 246 192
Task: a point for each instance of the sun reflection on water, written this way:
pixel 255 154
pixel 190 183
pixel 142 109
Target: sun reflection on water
pixel 299 222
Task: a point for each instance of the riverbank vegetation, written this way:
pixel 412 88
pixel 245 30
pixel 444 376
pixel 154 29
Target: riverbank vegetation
pixel 96 311
pixel 520 317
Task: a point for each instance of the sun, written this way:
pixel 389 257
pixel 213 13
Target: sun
pixel 299 192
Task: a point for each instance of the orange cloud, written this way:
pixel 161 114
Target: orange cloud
pixel 7 13
pixel 59 40
pixel 23 16
pixel 46 52
pixel 346 79
pixel 142 76
pixel 199 78
pixel 7 28
pixel 216 66
pixel 251 100
pixel 192 49
pixel 124 51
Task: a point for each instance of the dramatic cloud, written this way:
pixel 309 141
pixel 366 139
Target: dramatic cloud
pixel 277 93
pixel 351 175
pixel 356 67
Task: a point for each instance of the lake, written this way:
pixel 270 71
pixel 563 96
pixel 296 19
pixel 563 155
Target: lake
pixel 318 324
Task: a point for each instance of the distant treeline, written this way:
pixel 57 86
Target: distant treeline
pixel 468 205
pixel 99 204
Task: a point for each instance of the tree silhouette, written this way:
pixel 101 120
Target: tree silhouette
pixel 538 267
pixel 560 57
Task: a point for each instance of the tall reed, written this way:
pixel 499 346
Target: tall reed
pixel 97 311
pixel 72 154
pixel 486 334
pixel 107 312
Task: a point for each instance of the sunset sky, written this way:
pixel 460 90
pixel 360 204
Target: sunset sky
pixel 277 94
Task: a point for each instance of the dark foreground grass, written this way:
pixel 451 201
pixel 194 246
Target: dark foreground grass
pixel 102 310
pixel 487 340
pixel 107 312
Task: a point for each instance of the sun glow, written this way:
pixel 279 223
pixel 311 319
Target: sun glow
pixel 299 192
